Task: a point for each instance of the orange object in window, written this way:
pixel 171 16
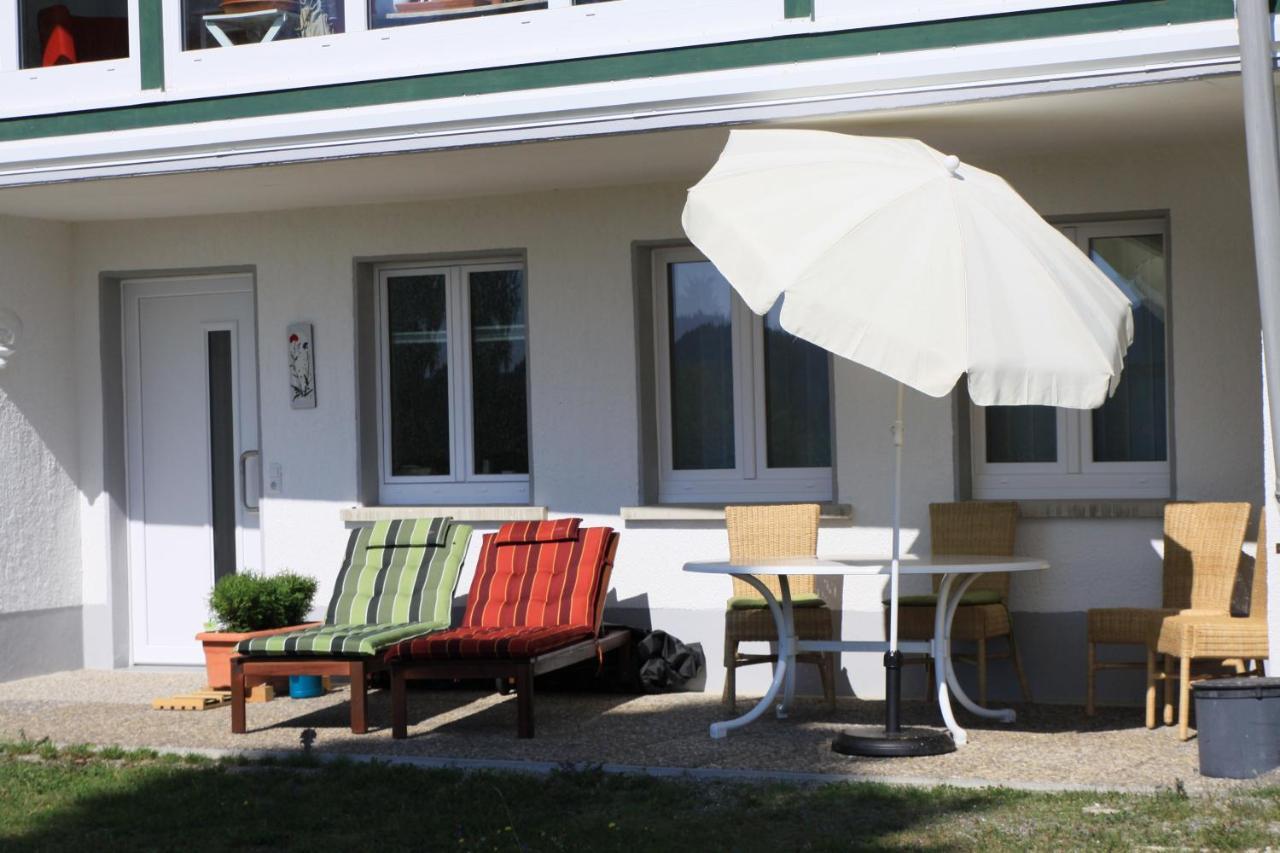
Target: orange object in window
pixel 59 44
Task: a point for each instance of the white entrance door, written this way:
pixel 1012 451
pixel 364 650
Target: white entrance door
pixel 191 392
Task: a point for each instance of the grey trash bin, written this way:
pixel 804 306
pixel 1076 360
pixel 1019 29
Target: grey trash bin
pixel 1238 726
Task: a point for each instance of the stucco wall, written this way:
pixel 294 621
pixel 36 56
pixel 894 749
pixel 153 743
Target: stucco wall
pixel 39 451
pixel 585 409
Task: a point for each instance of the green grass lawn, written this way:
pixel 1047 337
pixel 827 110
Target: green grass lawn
pixel 58 799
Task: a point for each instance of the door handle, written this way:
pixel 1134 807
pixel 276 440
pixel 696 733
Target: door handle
pixel 244 479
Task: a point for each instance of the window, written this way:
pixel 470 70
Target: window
pixel 453 384
pixel 69 32
pixel 392 13
pixel 744 409
pixel 1120 449
pixel 226 23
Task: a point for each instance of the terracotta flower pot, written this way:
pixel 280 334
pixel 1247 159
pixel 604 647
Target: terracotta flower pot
pixel 220 646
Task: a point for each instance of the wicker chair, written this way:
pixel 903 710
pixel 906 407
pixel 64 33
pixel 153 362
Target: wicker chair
pixel 1202 544
pixel 970 528
pixel 757 532
pixel 1191 636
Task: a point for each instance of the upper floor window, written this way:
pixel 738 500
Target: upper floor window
pixel 391 13
pixel 453 383
pixel 226 23
pixel 744 409
pixel 1120 449
pixel 68 32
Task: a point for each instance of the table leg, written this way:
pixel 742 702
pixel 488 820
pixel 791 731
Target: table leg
pixel 274 30
pixel 789 619
pixel 218 35
pixel 942 660
pixel 1004 715
pixel 786 660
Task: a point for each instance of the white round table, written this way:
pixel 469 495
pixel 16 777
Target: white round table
pixel 958 573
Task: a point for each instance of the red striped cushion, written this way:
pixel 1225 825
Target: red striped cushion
pixel 536 584
pixel 523 532
pixel 464 643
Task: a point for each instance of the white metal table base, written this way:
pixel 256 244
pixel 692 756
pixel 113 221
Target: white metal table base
pixel 945 681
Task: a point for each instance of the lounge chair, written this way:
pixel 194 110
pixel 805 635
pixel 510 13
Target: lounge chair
pixel 397 581
pixel 535 605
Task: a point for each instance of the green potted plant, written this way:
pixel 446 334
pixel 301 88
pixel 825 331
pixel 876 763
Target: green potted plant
pixel 252 605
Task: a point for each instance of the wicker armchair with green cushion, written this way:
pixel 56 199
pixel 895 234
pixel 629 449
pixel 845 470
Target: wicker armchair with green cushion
pixel 980 528
pixel 397 582
pixel 761 532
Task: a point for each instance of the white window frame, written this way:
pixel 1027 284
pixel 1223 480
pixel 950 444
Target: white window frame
pixel 462 485
pixel 30 91
pixel 1075 474
pixel 751 478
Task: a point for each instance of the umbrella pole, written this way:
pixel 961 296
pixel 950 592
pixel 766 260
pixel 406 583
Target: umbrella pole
pixel 893 657
pixel 893 740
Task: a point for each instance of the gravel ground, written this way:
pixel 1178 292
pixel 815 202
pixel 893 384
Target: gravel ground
pixel 1049 745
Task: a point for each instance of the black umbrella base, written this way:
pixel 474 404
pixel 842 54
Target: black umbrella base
pixel 878 743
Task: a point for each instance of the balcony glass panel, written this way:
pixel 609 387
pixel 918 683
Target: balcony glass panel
pixel 66 32
pixel 393 13
pixel 227 23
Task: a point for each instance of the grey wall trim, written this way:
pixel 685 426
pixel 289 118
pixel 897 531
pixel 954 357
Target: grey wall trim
pixel 105 630
pixel 37 642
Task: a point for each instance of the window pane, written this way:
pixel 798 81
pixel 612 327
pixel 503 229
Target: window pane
pixel 65 32
pixel 1131 426
pixel 222 453
pixel 392 13
pixel 1022 434
pixel 701 345
pixel 796 399
pixel 226 23
pixel 418 358
pixel 500 423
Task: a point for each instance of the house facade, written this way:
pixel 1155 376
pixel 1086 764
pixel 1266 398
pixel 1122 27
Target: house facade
pixel 469 214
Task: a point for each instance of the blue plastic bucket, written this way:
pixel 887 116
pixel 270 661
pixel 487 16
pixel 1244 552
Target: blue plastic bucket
pixel 305 686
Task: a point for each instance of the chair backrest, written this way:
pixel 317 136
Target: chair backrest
pixel 761 532
pixel 1258 589
pixel 1202 543
pixel 404 570
pixel 542 573
pixel 978 528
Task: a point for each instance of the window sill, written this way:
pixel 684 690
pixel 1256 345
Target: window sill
pixel 368 514
pixel 1094 509
pixel 715 512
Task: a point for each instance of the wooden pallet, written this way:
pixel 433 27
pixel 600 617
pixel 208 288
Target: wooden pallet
pixel 199 700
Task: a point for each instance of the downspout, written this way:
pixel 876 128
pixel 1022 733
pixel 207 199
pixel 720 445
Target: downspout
pixel 1257 66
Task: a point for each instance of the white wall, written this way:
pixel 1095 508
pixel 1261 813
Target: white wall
pixel 584 403
pixel 39 452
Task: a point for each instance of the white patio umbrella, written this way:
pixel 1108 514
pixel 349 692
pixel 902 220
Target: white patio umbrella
pixel 912 263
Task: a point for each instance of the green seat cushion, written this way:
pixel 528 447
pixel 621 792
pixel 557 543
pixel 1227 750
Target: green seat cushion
pixel 328 640
pixel 399 571
pixel 974 597
pixel 751 602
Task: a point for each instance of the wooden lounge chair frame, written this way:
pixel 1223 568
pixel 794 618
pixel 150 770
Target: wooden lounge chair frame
pixel 357 669
pixel 522 670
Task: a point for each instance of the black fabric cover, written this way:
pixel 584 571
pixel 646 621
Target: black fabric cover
pixel 666 663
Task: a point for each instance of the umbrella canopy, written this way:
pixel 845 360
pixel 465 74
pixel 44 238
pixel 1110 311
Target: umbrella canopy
pixel 910 262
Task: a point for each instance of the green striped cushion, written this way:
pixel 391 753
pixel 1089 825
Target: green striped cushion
pixel 338 639
pixel 399 571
